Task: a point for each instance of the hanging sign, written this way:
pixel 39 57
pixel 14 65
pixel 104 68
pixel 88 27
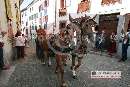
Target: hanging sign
pixel 83 6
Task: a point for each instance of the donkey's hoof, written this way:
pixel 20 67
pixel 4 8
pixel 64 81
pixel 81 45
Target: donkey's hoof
pixel 65 64
pixel 49 65
pixel 64 85
pixel 43 63
pixel 75 77
pixel 71 67
pixel 56 72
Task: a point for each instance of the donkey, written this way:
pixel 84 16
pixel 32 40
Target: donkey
pixel 66 44
pixel 85 25
pixel 42 39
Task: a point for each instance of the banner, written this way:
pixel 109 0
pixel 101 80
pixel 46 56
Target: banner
pixel 107 2
pixel 8 8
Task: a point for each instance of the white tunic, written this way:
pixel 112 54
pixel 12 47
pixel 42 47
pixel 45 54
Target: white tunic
pixel 20 41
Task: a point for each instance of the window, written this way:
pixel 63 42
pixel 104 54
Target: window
pixel 46 18
pixel 45 25
pixel 26 23
pixel 36 27
pixel 26 31
pixel 41 14
pixel 37 15
pixel 25 14
pixel 29 17
pixel 45 12
pixel 40 8
pixel 84 0
pixel 32 27
pixel 22 15
pixel 32 17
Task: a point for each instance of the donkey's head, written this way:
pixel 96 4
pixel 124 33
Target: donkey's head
pixel 85 24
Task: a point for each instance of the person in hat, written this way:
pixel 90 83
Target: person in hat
pixel 124 48
pixel 2 65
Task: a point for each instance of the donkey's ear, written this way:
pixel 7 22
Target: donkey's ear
pixel 70 18
pixel 94 17
pixel 85 15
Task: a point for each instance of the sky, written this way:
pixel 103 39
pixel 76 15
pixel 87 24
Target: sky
pixel 25 4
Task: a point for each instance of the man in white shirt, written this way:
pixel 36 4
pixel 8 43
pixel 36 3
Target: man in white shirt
pixel 20 44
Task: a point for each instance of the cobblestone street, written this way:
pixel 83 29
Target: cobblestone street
pixel 65 43
pixel 31 73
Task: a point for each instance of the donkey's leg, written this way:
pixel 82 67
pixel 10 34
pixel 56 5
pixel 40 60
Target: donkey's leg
pixel 73 61
pixel 44 58
pixel 64 59
pixel 76 67
pixel 49 61
pixel 57 63
pixel 48 58
pixel 60 66
pixel 79 63
pixel 41 53
pixel 56 69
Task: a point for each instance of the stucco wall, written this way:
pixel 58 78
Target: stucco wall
pixel 3 20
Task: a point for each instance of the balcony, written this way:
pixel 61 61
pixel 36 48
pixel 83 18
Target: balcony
pixel 62 12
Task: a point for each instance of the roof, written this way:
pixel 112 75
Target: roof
pixel 26 4
pixel 24 9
